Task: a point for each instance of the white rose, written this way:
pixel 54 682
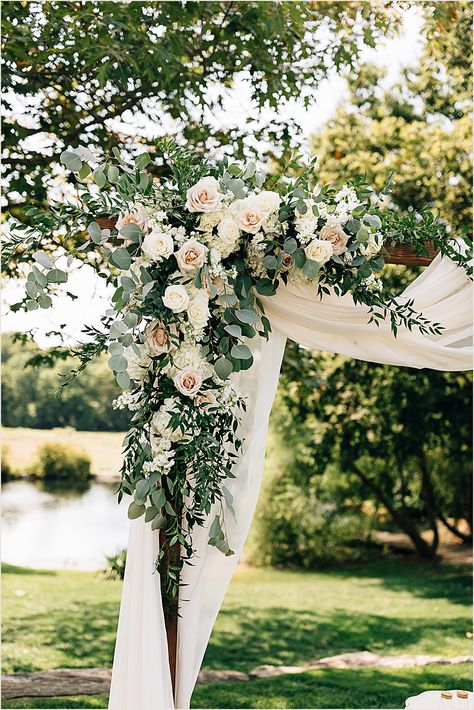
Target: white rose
pixel 198 312
pixel 268 201
pixel 336 236
pixel 204 196
pixel 319 250
pixel 137 364
pixel 229 233
pixel 158 245
pixel 249 216
pixel 176 298
pixel 191 255
pixel 188 381
pixel 158 337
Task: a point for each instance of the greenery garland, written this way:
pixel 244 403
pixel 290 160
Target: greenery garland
pixel 190 258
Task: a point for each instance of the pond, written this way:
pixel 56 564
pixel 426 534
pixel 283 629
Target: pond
pixel 54 528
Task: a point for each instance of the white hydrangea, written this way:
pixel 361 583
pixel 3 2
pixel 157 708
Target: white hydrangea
pixel 138 364
pixel 162 434
pixel 306 224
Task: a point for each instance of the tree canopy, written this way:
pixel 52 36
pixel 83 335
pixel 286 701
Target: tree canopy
pixel 107 74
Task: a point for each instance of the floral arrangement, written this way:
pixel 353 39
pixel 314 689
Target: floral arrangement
pixel 191 256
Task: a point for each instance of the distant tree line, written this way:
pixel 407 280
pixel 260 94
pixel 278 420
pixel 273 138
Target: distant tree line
pixel 33 396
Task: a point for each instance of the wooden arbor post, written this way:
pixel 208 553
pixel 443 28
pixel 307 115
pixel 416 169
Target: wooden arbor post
pixel 398 254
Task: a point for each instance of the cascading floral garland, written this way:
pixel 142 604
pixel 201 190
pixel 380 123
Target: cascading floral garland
pixel 190 256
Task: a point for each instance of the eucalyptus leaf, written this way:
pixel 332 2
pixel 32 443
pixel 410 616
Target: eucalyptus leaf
pixel 57 276
pixel 118 363
pixel 142 488
pixel 142 160
pixel 245 315
pixel 135 510
pixel 120 258
pixel 234 329
pixel 223 368
pixel 158 522
pixel 42 258
pixel 123 380
pixel 241 352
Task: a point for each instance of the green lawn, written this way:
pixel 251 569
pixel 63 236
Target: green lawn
pixel 68 619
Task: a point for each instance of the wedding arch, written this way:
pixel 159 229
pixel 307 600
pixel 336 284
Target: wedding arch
pixel 214 268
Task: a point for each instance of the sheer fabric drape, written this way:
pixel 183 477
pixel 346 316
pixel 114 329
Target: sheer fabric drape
pixel 140 678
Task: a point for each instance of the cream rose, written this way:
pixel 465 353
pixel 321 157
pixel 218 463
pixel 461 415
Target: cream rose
pixel 188 381
pixel 319 250
pixel 268 201
pixel 250 217
pixel 176 298
pixel 158 245
pixel 158 337
pixel 191 255
pixel 336 236
pixel 198 311
pixel 205 399
pixel 228 232
pixel 136 215
pixel 204 196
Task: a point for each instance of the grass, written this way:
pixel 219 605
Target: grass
pixel 104 448
pixel 364 688
pixel 68 619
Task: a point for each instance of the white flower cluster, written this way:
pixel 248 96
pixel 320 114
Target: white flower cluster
pixel 372 284
pixel 127 400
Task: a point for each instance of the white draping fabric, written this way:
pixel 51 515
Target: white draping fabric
pixel 141 678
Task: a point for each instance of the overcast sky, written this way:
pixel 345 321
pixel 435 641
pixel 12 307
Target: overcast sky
pixel 70 316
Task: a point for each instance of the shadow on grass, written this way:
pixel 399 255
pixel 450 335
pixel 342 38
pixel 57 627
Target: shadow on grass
pixel 367 688
pixel 425 579
pixel 85 634
pixel 279 636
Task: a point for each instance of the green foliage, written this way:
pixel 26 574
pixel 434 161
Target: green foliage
pixel 33 397
pixel 398 437
pixel 303 520
pixel 116 565
pixel 81 66
pixel 419 129
pixel 61 463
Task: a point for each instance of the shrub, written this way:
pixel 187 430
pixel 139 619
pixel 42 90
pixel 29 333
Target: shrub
pixel 7 471
pixel 302 519
pixel 62 463
pixel 116 565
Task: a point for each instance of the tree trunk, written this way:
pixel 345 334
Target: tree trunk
pixel 402 518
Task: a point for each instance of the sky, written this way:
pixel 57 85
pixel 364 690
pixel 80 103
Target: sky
pixel 70 316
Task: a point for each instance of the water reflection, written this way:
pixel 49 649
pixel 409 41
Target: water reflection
pixel 58 527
